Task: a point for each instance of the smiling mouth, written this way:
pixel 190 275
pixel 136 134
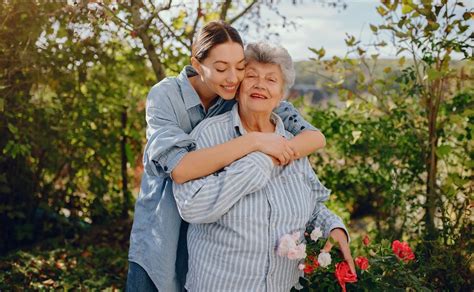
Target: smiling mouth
pixel 257 95
pixel 230 88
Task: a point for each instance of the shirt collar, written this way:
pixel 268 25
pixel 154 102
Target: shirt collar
pixel 239 128
pixel 190 96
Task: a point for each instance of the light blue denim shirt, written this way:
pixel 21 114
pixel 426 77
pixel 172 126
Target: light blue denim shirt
pixel 158 237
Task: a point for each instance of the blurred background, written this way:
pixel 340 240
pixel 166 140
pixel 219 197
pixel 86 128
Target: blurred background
pixel 389 83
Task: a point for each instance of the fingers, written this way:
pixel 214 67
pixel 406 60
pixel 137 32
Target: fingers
pixel 294 153
pixel 287 157
pixel 346 252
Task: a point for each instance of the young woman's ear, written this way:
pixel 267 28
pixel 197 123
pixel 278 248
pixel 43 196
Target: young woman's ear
pixel 196 65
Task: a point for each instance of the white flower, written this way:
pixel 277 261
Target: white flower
pixel 286 243
pixel 301 267
pixel 324 259
pixel 296 236
pixel 298 252
pixel 316 233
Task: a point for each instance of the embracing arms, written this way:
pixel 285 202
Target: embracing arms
pixel 307 139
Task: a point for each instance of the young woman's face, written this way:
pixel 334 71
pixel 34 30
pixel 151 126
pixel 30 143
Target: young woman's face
pixel 223 69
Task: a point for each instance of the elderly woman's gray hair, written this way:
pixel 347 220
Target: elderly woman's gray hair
pixel 275 54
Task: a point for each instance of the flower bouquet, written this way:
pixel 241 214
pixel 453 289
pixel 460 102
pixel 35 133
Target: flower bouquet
pixel 380 266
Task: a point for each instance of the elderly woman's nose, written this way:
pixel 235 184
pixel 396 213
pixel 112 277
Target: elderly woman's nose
pixel 258 83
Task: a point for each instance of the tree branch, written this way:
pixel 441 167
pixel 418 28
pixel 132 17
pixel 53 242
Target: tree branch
pixel 225 7
pixel 196 21
pixel 235 18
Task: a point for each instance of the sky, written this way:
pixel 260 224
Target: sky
pixel 318 26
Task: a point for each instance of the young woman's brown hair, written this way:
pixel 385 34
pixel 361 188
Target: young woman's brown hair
pixel 212 34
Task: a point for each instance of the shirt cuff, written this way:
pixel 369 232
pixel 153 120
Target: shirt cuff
pixel 339 225
pixel 299 125
pixel 170 160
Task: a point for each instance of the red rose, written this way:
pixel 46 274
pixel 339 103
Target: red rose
pixel 311 264
pixel 362 263
pixel 313 260
pixel 402 251
pixel 366 240
pixel 344 275
pixel 308 269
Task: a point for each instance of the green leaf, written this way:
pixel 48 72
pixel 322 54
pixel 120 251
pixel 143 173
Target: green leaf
pixel 406 8
pixel 373 28
pixel 382 11
pixel 401 61
pixel 433 74
pixel 13 129
pixel 2 104
pixel 443 151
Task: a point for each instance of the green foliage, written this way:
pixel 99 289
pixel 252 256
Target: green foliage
pixel 96 261
pixel 399 150
pixel 64 127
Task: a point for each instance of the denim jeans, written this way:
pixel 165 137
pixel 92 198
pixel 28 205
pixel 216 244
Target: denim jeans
pixel 138 279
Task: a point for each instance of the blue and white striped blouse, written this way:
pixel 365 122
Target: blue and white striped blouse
pixel 237 215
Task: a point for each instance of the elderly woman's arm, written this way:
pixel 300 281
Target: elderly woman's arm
pixel 327 220
pixel 307 138
pixel 207 199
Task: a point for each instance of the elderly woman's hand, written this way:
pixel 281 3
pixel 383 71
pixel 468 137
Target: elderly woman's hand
pixel 275 146
pixel 340 236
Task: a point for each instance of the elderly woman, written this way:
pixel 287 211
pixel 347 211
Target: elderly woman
pixel 238 215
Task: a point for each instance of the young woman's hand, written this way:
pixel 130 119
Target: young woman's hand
pixel 275 146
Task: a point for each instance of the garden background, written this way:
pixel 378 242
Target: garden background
pixel 74 78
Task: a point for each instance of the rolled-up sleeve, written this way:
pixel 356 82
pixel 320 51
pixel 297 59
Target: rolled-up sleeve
pixel 292 119
pixel 322 217
pixel 327 220
pixel 167 142
pixel 207 199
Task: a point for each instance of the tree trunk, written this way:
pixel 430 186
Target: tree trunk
pixel 432 167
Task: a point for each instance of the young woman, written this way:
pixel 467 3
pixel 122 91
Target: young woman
pixel 158 253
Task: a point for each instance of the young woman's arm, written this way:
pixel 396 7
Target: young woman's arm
pixel 202 162
pixel 307 142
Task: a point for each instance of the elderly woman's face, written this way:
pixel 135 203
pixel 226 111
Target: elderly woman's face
pixel 262 88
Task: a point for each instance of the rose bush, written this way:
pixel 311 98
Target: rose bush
pixel 379 266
